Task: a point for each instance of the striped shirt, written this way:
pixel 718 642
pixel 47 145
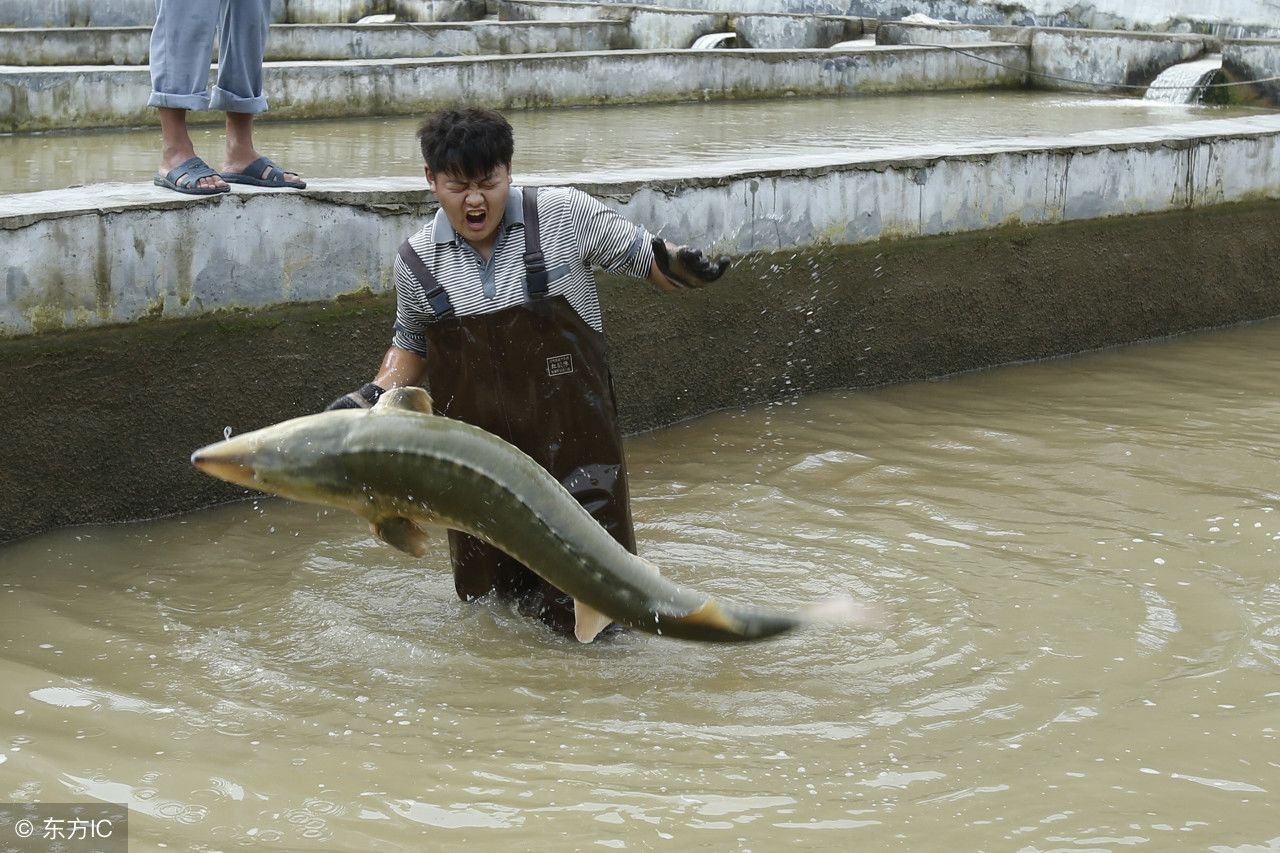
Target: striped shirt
pixel 577 231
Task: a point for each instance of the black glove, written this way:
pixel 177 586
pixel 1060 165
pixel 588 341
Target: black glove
pixel 362 399
pixel 689 267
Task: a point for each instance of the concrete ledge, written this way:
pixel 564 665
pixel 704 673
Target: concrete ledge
pixel 649 27
pixel 77 13
pixel 576 10
pixel 1130 59
pixel 142 13
pixel 1224 18
pixel 119 254
pixel 656 27
pixel 290 42
pixel 945 32
pixel 424 10
pixel 793 31
pixel 84 97
pixel 1221 18
pixel 75 45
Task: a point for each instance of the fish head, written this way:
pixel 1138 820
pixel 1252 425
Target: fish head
pixel 294 459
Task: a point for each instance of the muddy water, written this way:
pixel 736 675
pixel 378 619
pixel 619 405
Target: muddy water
pixel 1076 562
pixel 610 138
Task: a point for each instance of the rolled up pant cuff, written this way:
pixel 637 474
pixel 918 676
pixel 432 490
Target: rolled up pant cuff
pixel 198 101
pixel 227 102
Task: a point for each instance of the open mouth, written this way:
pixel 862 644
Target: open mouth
pixel 476 218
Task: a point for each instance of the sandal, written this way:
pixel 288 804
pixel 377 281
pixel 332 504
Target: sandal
pixel 263 173
pixel 186 177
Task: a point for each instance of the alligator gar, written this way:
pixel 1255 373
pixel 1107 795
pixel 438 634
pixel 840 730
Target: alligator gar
pixel 400 467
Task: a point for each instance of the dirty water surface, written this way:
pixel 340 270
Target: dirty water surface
pixel 1075 561
pixel 623 138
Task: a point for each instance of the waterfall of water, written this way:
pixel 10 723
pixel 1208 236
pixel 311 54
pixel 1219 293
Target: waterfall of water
pixel 1184 83
pixel 711 41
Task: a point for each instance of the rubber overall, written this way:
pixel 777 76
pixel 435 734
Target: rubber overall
pixel 536 375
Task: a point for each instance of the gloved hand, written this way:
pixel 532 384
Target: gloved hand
pixel 362 399
pixel 687 267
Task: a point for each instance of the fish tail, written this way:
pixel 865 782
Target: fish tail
pixel 714 621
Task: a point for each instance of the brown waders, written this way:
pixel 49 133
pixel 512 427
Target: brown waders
pixel 536 375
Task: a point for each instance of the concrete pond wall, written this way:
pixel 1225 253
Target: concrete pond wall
pixel 1061 59
pixel 1224 18
pixel 126 343
pixel 1229 18
pixel 131 45
pixel 124 253
pixel 139 13
pixel 527 26
pixel 47 99
pixel 663 27
pixel 1254 60
pixel 1088 60
pixel 98 424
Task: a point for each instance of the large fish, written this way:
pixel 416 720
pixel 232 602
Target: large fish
pixel 399 467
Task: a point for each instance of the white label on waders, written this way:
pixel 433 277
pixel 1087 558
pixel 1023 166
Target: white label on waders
pixel 559 365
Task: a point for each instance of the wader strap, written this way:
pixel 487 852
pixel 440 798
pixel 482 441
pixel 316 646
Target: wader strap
pixel 535 265
pixel 437 298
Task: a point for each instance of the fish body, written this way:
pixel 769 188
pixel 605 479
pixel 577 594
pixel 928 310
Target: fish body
pixel 400 467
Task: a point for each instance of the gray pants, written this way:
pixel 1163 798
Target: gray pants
pixel 182 44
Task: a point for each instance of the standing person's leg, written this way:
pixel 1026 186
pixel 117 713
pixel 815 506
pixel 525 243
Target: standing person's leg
pixel 238 91
pixel 181 47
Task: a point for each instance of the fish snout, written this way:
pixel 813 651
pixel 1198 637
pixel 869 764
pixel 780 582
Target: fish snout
pixel 226 461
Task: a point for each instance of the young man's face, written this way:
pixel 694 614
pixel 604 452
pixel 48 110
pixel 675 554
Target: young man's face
pixel 474 206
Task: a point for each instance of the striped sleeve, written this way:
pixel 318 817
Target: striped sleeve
pixel 607 240
pixel 412 312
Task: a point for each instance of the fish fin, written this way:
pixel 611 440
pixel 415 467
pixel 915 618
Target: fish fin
pixel 410 398
pixel 588 622
pixel 401 533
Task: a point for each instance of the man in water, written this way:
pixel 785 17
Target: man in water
pixel 497 313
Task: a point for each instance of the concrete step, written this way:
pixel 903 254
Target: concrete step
pixel 142 13
pixel 656 26
pixel 290 42
pixel 102 96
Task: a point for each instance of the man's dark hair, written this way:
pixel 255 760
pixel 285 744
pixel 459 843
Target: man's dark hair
pixel 467 142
